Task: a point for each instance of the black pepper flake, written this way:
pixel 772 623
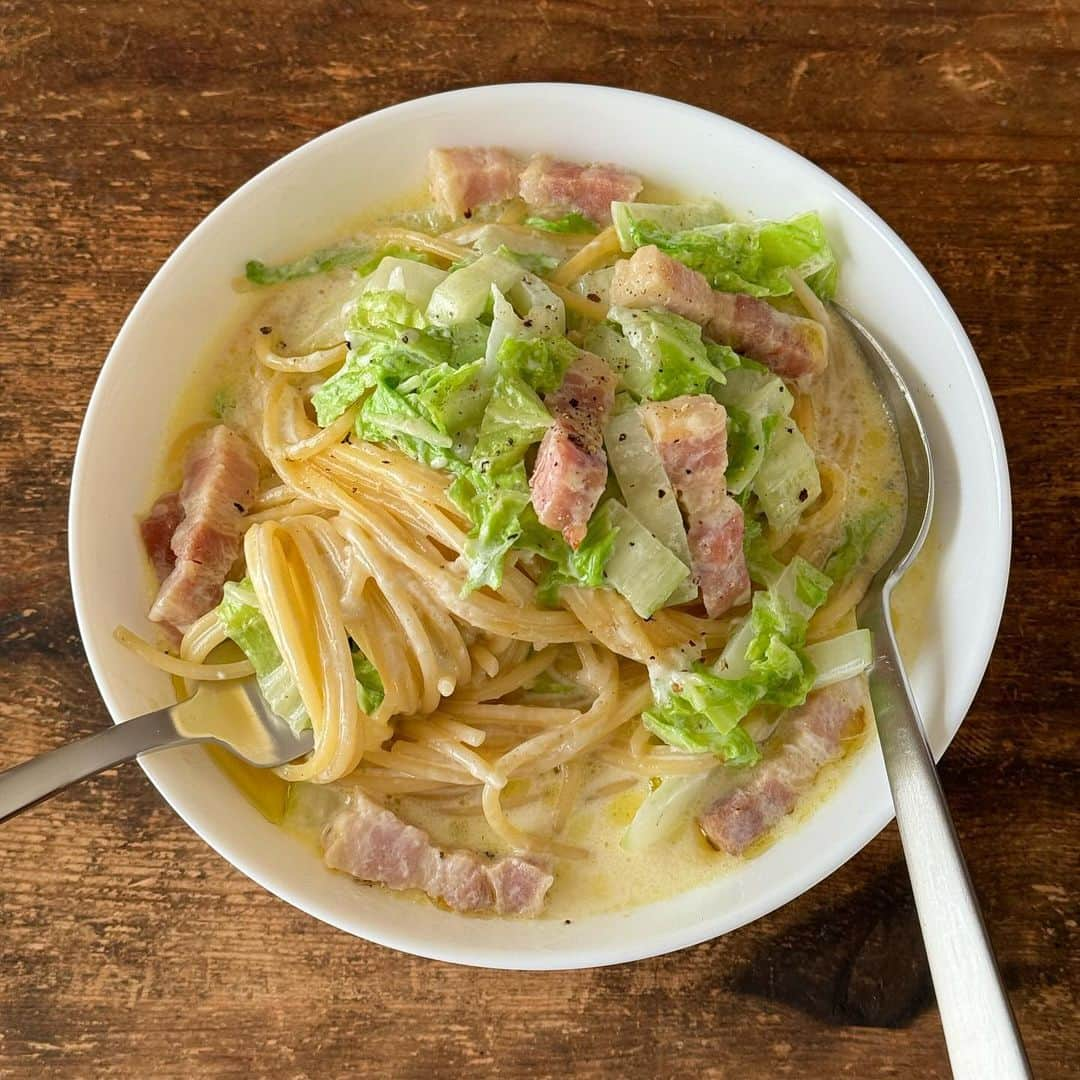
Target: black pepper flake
pixel 632 544
pixel 661 493
pixel 238 507
pixel 594 297
pixel 265 329
pixel 566 922
pixel 468 214
pixel 573 403
pixel 804 495
pixel 527 322
pixel 622 437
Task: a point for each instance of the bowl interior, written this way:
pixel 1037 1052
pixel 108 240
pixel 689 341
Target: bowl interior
pixel 300 203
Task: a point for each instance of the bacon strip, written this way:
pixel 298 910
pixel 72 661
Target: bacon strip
pixel 788 345
pixel 590 189
pixel 571 466
pixel 220 478
pixel 462 178
pixel 373 844
pixel 157 530
pixel 690 433
pixel 811 735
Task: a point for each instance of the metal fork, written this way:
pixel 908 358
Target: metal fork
pixel 260 738
pixel 980 1031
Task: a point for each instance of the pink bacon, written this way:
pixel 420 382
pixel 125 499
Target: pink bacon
pixel 374 844
pixel 462 178
pixel 220 478
pixel 571 467
pixel 812 735
pixel 690 434
pixel 790 346
pixel 589 189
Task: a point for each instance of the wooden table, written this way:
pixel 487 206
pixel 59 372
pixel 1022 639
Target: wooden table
pixel 126 946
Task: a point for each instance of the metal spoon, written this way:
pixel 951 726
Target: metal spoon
pixel 233 715
pixel 980 1031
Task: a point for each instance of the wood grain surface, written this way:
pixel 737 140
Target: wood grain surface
pixel 127 948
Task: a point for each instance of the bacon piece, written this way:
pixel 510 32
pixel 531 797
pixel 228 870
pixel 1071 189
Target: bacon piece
pixel 810 736
pixel 590 189
pixel 220 477
pixel 374 844
pixel 463 177
pixel 788 345
pixel 571 466
pixel 157 530
pixel 649 278
pixel 690 433
pixel 715 539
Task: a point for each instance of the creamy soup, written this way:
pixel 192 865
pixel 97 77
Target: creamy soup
pixel 546 503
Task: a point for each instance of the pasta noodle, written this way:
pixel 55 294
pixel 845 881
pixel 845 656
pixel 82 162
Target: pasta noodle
pixel 184 669
pixel 596 252
pixel 581 305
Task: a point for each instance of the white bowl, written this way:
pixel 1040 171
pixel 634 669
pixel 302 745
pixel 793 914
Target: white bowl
pixel 300 203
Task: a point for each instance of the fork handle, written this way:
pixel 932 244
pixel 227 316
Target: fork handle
pixel 980 1031
pixel 25 785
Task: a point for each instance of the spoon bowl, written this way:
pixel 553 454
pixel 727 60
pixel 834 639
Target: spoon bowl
pixel 235 715
pixel 914 450
pixel 231 714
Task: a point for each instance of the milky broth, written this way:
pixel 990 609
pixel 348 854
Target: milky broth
pixel 845 421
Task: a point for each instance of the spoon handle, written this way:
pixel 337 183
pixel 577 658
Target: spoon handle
pixel 980 1031
pixel 22 786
